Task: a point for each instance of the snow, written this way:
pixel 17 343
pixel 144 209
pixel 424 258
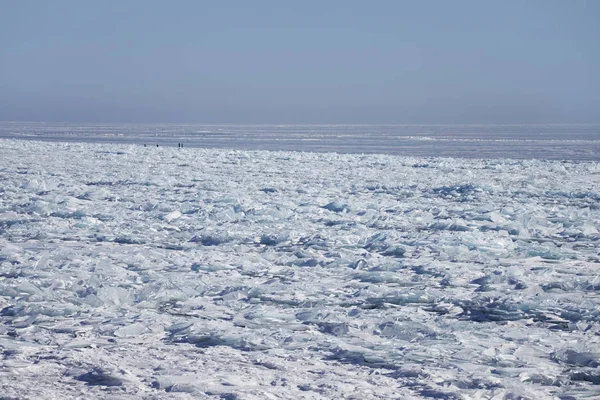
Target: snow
pixel 158 272
pixel 542 141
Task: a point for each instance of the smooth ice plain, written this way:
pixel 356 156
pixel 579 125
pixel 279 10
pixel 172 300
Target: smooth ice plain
pixel 164 273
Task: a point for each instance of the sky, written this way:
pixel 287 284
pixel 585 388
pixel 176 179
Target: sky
pixel 300 62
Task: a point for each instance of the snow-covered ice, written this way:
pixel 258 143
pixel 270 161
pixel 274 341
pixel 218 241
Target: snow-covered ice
pixel 144 272
pixel 542 141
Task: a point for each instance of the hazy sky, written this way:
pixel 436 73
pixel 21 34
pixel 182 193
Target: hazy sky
pixel 419 61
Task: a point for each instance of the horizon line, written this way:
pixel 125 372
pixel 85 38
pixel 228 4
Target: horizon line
pixel 296 124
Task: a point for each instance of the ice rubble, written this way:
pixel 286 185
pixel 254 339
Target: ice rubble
pixel 189 273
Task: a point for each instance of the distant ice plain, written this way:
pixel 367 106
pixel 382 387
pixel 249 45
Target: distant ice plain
pixel 132 272
pixel 580 142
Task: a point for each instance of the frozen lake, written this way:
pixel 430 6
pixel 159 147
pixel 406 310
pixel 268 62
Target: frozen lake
pixel 556 142
pixel 132 272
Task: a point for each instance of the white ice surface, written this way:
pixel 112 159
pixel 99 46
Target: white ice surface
pixel 144 272
pixel 552 141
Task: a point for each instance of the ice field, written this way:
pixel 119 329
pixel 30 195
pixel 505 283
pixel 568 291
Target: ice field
pixel 164 273
pixel 554 141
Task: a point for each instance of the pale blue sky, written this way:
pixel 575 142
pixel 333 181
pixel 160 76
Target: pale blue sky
pixel 420 61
